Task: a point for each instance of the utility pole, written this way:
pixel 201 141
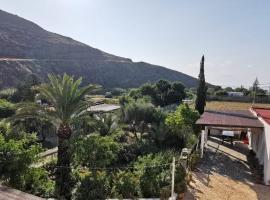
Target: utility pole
pixel 173 173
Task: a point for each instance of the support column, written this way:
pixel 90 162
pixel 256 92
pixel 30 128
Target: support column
pixel 249 139
pixel 206 135
pixel 202 142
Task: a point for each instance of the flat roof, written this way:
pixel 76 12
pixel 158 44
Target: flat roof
pixel 103 108
pixel 229 118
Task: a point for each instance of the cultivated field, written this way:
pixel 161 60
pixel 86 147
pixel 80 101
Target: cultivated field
pixel 225 105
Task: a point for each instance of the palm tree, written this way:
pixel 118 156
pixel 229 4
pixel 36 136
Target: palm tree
pixel 67 104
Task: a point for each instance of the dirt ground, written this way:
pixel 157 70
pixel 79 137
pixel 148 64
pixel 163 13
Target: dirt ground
pixel 223 176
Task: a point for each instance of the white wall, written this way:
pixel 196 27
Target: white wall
pixel 260 144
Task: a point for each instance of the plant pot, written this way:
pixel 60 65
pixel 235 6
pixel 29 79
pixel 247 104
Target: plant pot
pixel 181 196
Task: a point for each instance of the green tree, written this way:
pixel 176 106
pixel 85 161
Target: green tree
pixel 16 157
pixel 182 123
pixel 201 90
pixel 176 94
pixel 138 115
pixel 67 105
pixel 163 88
pixel 95 151
pixel 106 124
pixel 25 91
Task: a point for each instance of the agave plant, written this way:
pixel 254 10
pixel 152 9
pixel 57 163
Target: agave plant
pixel 66 105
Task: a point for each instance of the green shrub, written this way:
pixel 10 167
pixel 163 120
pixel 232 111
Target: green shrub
pixel 154 172
pixel 7 93
pixel 6 108
pixel 95 151
pixel 37 182
pixel 126 185
pixel 95 185
pixel 16 156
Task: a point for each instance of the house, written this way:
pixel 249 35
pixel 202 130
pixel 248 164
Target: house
pixel 235 94
pixel 254 122
pixel 260 143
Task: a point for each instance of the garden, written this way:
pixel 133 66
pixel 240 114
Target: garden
pixel 126 153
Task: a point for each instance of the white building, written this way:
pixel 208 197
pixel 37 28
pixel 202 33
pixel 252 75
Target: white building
pixel 260 142
pixel 235 94
pixel 256 122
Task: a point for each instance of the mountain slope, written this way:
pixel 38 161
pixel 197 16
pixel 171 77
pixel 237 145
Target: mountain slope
pixel 27 48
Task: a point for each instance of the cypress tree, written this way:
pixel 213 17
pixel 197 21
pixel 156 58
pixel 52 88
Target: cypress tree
pixel 201 90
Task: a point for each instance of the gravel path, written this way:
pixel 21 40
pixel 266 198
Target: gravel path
pixel 223 174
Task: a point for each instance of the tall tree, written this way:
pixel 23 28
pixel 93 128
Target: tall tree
pixel 201 91
pixel 67 105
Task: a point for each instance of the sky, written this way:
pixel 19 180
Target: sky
pixel 232 34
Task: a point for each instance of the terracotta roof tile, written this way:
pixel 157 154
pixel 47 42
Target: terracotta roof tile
pixel 263 113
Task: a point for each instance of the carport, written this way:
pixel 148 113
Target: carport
pixel 240 120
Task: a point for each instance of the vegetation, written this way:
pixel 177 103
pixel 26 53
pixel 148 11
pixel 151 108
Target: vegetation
pixel 124 154
pixel 7 109
pixel 162 93
pixel 67 100
pixel 256 93
pixel 18 152
pixel 201 91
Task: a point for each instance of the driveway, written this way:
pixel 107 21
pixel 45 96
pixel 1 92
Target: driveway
pixel 223 174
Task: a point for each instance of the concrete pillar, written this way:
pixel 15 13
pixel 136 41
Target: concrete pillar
pixel 206 135
pixel 249 139
pixel 202 142
pixel 266 166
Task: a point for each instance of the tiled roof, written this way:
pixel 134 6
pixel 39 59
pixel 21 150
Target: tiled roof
pixel 226 118
pixel 263 113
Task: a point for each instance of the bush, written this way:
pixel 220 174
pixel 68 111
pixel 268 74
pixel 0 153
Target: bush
pixel 221 93
pixel 194 159
pixel 183 116
pixel 7 93
pixel 95 185
pixel 155 173
pixel 37 182
pixel 95 151
pixel 126 185
pixel 16 156
pixel 7 109
pixel 118 91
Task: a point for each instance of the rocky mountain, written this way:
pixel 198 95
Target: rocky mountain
pixel 27 48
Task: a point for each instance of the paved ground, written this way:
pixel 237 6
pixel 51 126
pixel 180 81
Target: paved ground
pixel 224 175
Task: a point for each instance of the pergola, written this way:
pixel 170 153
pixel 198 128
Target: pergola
pixel 227 120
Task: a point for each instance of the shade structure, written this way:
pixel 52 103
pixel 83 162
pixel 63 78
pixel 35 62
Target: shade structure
pixel 229 118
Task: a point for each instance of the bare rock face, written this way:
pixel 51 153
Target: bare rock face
pixel 27 48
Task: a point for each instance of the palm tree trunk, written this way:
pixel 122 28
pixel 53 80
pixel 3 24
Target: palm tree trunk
pixel 63 171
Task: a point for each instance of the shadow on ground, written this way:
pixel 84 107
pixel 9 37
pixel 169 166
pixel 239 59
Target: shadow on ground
pixel 224 173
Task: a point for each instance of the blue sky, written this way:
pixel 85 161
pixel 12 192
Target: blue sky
pixel 233 34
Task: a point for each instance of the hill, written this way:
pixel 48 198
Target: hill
pixel 27 48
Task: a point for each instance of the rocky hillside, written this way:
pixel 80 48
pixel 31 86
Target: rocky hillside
pixel 27 48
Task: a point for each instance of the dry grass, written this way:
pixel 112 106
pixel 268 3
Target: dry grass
pixel 225 105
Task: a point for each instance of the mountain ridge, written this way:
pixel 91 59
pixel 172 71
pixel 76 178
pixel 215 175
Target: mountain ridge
pixel 27 48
